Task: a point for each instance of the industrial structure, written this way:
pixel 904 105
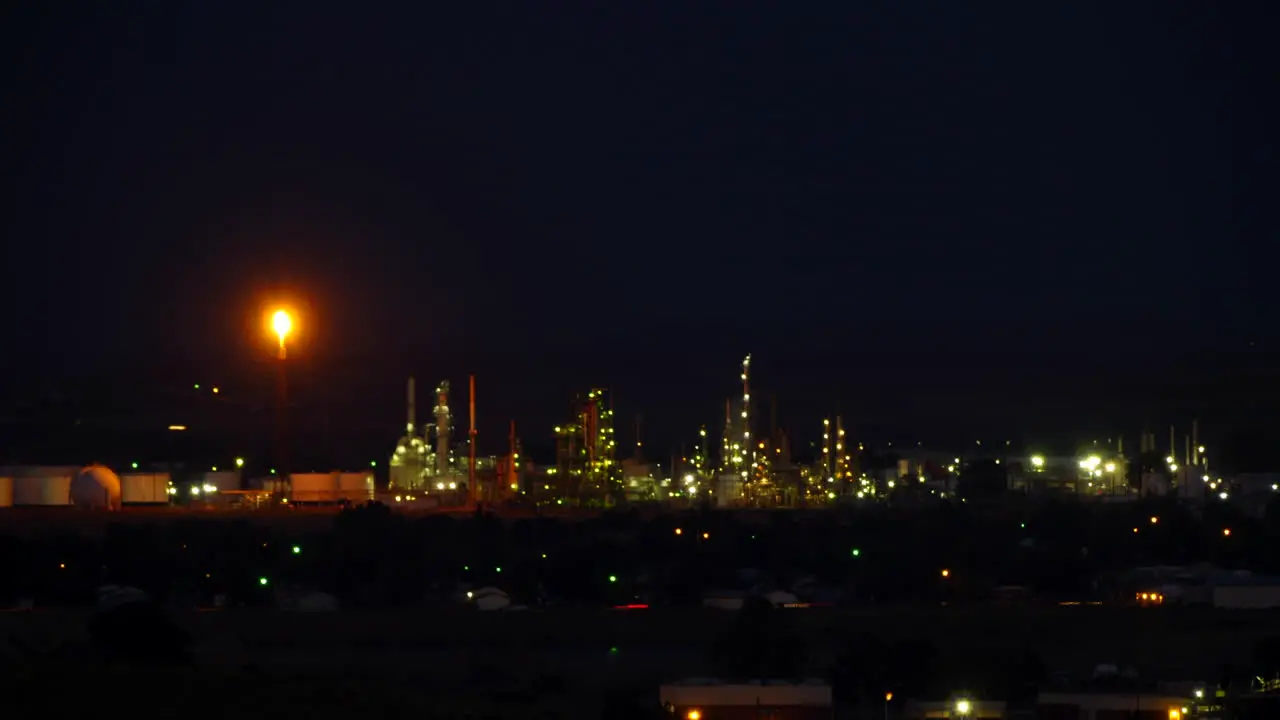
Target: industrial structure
pixel 424 461
pixel 586 451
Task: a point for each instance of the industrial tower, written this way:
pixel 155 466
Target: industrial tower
pixel 410 460
pixel 415 464
pixel 596 419
pixel 586 449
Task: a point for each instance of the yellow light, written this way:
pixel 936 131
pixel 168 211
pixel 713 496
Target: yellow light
pixel 679 531
pixel 1226 532
pixel 963 707
pixel 1154 519
pixel 282 324
pixel 694 714
pixel 1175 714
pixel 1037 461
pixel 946 572
pixel 177 428
pixel 888 696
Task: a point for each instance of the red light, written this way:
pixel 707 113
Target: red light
pixel 634 606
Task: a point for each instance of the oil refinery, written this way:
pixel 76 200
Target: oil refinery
pixel 436 465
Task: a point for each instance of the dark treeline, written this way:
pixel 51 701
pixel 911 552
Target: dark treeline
pixel 372 557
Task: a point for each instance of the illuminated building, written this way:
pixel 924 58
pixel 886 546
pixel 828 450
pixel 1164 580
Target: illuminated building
pixel 596 418
pixel 586 449
pixel 842 466
pixel 415 465
pixel 409 461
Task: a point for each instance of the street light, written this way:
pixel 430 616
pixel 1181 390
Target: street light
pixel 963 708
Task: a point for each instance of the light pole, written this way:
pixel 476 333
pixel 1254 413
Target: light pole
pixel 282 324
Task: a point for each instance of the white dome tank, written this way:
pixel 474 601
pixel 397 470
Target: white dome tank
pixel 96 487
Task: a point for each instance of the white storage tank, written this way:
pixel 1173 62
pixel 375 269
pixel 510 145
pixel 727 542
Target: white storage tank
pixel 144 488
pixel 6 491
pixel 95 487
pixel 356 487
pixel 313 487
pixel 42 490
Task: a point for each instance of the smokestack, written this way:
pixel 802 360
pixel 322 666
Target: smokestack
pixel 413 417
pixel 512 479
pixel 1195 442
pixel 839 454
pixel 471 462
pixel 1186 457
pixel 444 427
pixel 1173 442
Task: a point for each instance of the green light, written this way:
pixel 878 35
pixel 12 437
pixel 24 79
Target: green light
pixel 296 549
pixel 856 552
pixel 498 569
pixel 135 466
pixel 197 386
pixel 262 581
pixel 466 568
pixel 613 578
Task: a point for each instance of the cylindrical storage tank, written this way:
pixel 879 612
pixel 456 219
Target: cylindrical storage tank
pixel 42 490
pixel 6 491
pixel 313 487
pixel 144 488
pixel 96 487
pixel 356 486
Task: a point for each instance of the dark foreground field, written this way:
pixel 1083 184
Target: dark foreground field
pixel 568 663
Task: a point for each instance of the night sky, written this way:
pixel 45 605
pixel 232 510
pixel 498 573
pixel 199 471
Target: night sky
pixel 942 221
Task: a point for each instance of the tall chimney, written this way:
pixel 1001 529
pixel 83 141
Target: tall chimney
pixel 1173 442
pixel 444 428
pixel 413 420
pixel 471 461
pixel 1195 442
pixel 513 458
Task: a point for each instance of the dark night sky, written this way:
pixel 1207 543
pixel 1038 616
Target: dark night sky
pixel 899 207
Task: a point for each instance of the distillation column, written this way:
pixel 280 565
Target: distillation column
pixel 444 427
pixel 747 447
